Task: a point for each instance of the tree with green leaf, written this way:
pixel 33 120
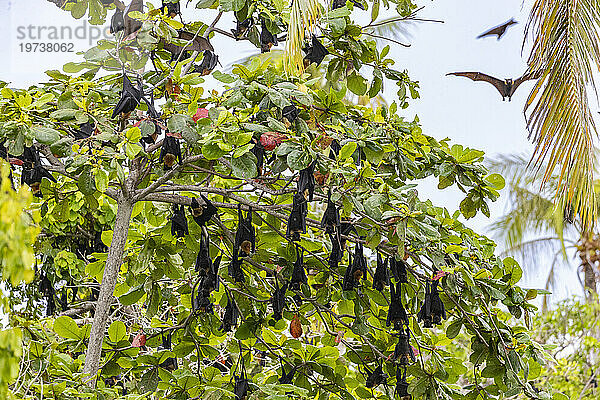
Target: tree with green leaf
pixel 245 241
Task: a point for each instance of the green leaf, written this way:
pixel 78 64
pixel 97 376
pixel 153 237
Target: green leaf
pixel 85 182
pixel 45 135
pixel 64 326
pixel 357 84
pixel 347 150
pixel 117 331
pixel 244 166
pixel 454 329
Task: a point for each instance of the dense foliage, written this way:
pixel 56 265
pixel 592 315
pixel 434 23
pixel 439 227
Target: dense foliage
pixel 127 256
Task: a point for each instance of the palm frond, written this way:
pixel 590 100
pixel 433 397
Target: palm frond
pixel 565 47
pixel 303 16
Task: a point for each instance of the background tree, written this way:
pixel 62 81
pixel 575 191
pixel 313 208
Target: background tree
pixel 129 246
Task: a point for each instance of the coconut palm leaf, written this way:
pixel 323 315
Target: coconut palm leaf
pixel 303 16
pixel 565 49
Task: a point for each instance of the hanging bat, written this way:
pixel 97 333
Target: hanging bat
pixel 438 311
pixel 209 62
pixel 131 25
pixel 241 28
pixel 170 152
pixel 231 315
pixel 424 313
pixel 267 39
pixel 47 289
pixel 259 152
pixel 172 9
pixel 499 30
pixel 84 131
pixel 98 245
pixel 396 312
pixel 241 386
pixel 335 148
pixel 296 223
pixel 315 52
pixel 331 217
pixel 179 226
pixel 356 269
pixel 235 268
pixel 403 351
pixel 117 22
pixel 342 3
pixel 286 378
pixel 507 88
pixel 245 236
pixel 398 268
pixel 289 114
pixel 337 252
pixel 130 97
pixel 376 378
pixel 202 214
pixel 33 178
pixel 401 385
pixel 306 181
pixel 203 261
pixel 170 363
pixel 195 43
pixel 381 278
pixel 278 300
pixel 298 274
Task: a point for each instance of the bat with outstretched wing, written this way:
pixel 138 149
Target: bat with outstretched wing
pixel 499 30
pixel 506 87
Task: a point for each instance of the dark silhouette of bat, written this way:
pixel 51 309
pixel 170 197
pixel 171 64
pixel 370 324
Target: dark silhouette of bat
pixel 298 274
pixel 331 216
pixel 296 223
pixel 131 25
pixel 342 3
pixel 335 148
pixel 381 278
pixel 375 378
pixel 499 30
pixel 245 236
pixel 278 300
pixel 85 131
pixel 231 315
pixel 241 28
pixel 117 22
pixel 396 312
pixel 267 39
pixel 209 62
pixel 401 385
pixel 169 152
pixel 179 226
pixel 130 97
pixel 289 113
pixel 507 88
pixel 398 269
pixel 306 181
pixel 198 43
pixel 315 52
pixel 171 9
pixel 202 214
pixel 171 362
pixel 403 351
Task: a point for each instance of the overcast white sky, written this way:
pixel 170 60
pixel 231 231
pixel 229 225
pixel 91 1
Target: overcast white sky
pixel 469 113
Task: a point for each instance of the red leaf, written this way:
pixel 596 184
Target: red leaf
pixel 200 113
pixel 139 340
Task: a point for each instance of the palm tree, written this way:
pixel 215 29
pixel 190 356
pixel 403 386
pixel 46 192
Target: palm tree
pixel 534 226
pixel 564 53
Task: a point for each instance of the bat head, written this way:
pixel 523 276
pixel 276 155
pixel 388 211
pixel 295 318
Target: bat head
pixel 169 160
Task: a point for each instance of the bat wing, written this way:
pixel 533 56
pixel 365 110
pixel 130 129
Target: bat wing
pixel 527 77
pixel 478 76
pixel 199 43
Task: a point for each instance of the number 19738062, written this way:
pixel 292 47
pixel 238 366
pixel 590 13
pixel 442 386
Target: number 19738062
pixel 36 47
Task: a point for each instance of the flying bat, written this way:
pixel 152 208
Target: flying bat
pixel 169 152
pixel 499 30
pixel 130 98
pixel 315 52
pixel 507 88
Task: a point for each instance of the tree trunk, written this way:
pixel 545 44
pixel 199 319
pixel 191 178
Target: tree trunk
pixel 589 280
pixel 107 288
